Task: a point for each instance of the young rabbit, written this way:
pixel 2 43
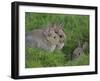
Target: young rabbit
pixel 78 51
pixel 45 39
pixel 59 31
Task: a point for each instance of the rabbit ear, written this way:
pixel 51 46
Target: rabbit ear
pixel 47 32
pixel 61 25
pixel 49 25
pixel 53 25
pixel 79 43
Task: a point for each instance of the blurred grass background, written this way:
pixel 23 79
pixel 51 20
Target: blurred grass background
pixel 76 28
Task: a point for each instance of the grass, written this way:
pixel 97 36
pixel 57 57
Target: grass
pixel 76 28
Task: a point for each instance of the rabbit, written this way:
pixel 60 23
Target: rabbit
pixel 58 28
pixel 79 50
pixel 45 39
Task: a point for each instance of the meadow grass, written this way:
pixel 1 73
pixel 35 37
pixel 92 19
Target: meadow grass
pixel 76 28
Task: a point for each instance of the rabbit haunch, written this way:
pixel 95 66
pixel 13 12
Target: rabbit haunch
pixel 45 39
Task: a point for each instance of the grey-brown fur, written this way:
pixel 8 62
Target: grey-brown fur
pixel 48 38
pixel 78 51
pixel 42 38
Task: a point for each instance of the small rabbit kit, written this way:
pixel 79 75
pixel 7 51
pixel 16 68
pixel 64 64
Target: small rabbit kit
pixel 49 38
pixel 79 50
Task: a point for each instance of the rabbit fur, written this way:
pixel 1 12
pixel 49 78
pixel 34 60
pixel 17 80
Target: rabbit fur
pixel 58 28
pixel 45 39
pixel 79 50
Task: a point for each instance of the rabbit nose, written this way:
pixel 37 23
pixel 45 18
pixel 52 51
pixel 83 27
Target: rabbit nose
pixel 61 41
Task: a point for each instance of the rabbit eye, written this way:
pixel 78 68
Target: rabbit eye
pixel 54 37
pixel 61 36
pixel 56 32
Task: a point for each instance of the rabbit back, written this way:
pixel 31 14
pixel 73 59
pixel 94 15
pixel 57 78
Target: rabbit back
pixel 36 39
pixel 29 40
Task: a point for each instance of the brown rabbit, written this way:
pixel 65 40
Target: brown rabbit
pixel 58 28
pixel 44 38
pixel 78 51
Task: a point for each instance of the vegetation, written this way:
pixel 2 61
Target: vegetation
pixel 76 28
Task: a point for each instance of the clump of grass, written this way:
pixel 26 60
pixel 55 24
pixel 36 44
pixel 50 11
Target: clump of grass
pixel 82 60
pixel 40 58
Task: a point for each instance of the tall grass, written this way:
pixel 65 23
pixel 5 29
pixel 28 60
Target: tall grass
pixel 76 28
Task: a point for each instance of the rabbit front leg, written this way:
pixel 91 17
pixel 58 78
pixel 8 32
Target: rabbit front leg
pixel 60 46
pixel 52 48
